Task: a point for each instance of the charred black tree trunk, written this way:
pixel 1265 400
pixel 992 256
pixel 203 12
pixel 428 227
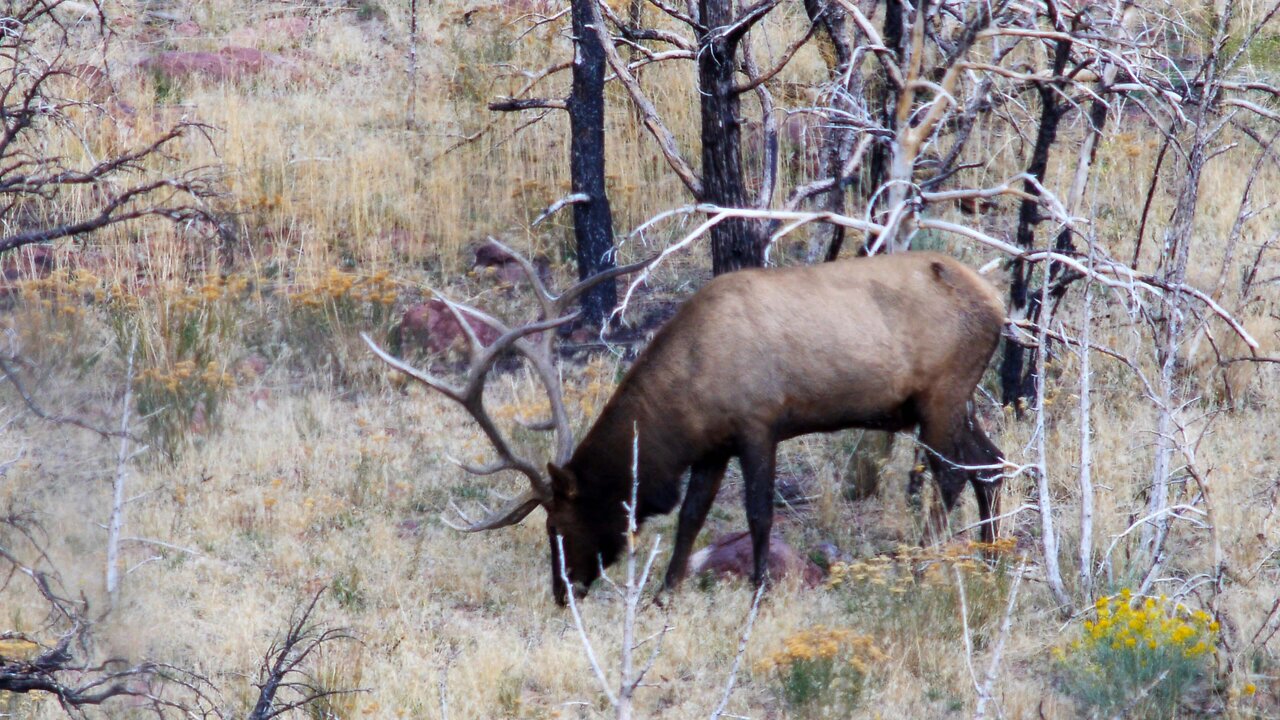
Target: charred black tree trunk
pixel 838 53
pixel 1017 366
pixel 736 243
pixel 886 104
pixel 592 218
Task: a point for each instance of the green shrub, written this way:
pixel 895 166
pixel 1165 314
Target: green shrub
pixel 1139 655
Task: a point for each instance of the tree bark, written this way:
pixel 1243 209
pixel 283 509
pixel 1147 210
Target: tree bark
pixel 116 523
pixel 1171 319
pixel 840 132
pixel 592 218
pixel 736 243
pixel 886 105
pixel 411 98
pixel 1018 378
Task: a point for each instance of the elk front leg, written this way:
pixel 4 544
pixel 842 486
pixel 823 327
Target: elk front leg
pixel 758 461
pixel 704 484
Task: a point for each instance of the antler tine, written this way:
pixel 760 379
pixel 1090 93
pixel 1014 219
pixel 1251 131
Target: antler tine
pixel 454 393
pixel 553 305
pixel 471 398
pixel 458 310
pixel 510 339
pixel 474 405
pixel 568 297
pixel 545 298
pixel 513 513
pixel 540 358
pixel 471 395
pixel 482 470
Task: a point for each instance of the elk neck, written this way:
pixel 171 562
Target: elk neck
pixel 602 462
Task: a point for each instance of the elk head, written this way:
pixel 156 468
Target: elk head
pixel 576 550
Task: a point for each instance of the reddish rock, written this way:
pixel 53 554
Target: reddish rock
pixel 122 111
pixel 189 64
pixel 403 242
pixel 247 60
pixel 828 554
pixel 32 261
pixel 731 555
pixel 490 255
pixel 583 335
pixel 188 28
pixel 408 529
pixel 512 273
pixel 433 327
pixel 275 32
pixel 229 63
pixel 93 78
pixel 26 263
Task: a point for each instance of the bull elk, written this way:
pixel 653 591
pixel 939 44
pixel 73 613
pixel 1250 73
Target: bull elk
pixel 753 358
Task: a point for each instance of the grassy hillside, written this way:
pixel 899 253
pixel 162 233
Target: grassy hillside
pixel 281 457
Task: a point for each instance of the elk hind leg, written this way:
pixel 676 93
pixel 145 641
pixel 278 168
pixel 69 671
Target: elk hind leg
pixel 945 462
pixel 758 458
pixel 983 455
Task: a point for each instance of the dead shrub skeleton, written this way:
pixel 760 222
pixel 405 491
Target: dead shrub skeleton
pixel 45 198
pixel 910 91
pixel 902 108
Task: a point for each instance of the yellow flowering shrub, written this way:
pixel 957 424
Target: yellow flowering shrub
pixel 323 316
pixel 180 323
pixel 1147 651
pixel 338 289
pixel 183 365
pixel 822 669
pixel 55 308
pixel 913 592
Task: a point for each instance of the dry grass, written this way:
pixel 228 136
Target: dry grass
pixel 319 472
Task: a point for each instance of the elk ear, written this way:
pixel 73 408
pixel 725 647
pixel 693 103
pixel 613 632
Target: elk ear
pixel 563 482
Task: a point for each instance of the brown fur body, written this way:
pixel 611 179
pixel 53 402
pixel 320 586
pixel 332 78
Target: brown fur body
pixel 760 356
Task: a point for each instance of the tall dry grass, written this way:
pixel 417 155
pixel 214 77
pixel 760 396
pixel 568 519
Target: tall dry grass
pixel 315 470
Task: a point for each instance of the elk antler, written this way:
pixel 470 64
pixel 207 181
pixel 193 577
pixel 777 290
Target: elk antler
pixel 470 394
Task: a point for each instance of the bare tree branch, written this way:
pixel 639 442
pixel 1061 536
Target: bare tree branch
pixel 284 661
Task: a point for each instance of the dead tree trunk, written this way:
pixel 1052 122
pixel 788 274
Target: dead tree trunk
pixel 886 107
pixel 737 242
pixel 1017 367
pixel 592 216
pixel 839 138
pixel 1169 336
pixel 411 98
